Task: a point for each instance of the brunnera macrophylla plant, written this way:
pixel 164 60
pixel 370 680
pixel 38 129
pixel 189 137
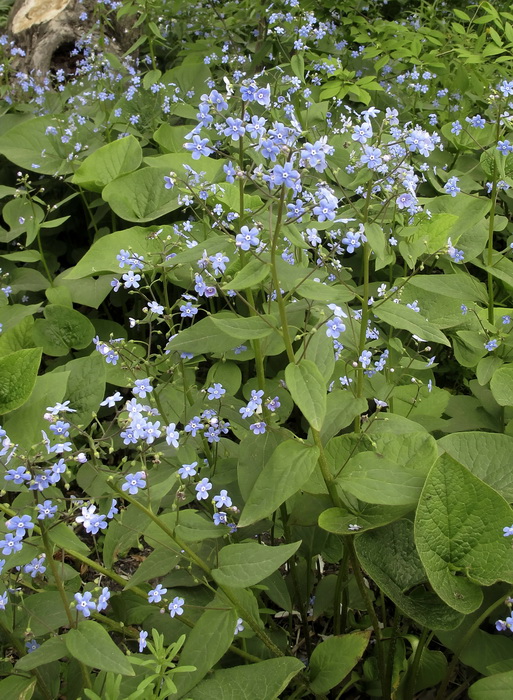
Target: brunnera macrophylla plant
pixel 278 455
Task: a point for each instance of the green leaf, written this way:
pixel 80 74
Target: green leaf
pixel 51 650
pixel 334 658
pixel 18 372
pixel 318 348
pixel 107 163
pixel 141 196
pixel 251 275
pixel 309 289
pixel 159 563
pixel 46 612
pixel 501 385
pixel 17 688
pixel 399 316
pixel 339 521
pixel 458 533
pixel 206 643
pixel 25 143
pixel 204 336
pixel 61 329
pixel 17 338
pixel 90 643
pixel 283 475
pixel 64 537
pixel 389 556
pixel 486 455
pixel 262 681
pixel 341 410
pixel 254 453
pixel 86 386
pixel 101 256
pixel 244 565
pixel 374 479
pixel 24 425
pixel 308 390
pixel 497 687
pixel 245 328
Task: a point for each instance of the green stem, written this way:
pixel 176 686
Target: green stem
pixel 409 691
pixel 365 593
pixel 295 582
pixel 192 556
pixel 441 694
pixel 363 328
pixel 340 597
pixel 276 283
pixel 491 222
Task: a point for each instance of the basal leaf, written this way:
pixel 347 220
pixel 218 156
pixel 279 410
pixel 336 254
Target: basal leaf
pixel 18 372
pixel 458 533
pixel 108 162
pixel 91 644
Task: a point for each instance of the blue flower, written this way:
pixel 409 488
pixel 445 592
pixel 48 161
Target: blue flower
pixel 172 435
pixel 188 310
pixel 198 147
pixel 491 345
pixel 20 525
pixel 175 607
pixel 451 186
pixel 235 128
pixel 193 426
pixel 142 387
pixel 155 595
pixel 371 157
pixel 504 147
pixel 220 518
pixel 362 132
pixel 258 428
pixel 202 489
pixel 18 475
pixel 134 482
pixel 216 391
pixel 35 567
pixel 142 640
pixel 223 499
pixel 84 604
pixel 187 470
pixel 4 600
pixel 365 358
pixel 156 308
pixel 46 510
pixel 239 626
pixel 247 238
pixel 131 280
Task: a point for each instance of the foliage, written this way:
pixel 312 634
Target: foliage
pixel 256 361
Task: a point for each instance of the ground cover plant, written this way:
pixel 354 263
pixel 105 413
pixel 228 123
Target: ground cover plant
pixel 256 360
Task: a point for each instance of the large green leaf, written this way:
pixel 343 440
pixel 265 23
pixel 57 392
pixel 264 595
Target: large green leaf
pixel 51 650
pixel 204 336
pixel 86 386
pixel 389 556
pixel 283 475
pixel 141 195
pixel 245 328
pixel 502 385
pixel 61 329
pixel 244 565
pixel 24 425
pixel 308 389
pixel 458 533
pixel 254 453
pixel 401 317
pixel 46 612
pixel 206 643
pixel 497 687
pixel 17 688
pixel 334 658
pixel 18 372
pixel 486 455
pixel 341 521
pixel 27 145
pixel 108 162
pixel 262 681
pixel 101 256
pixel 91 644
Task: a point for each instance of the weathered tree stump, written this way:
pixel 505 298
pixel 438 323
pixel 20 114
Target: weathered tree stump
pixel 47 31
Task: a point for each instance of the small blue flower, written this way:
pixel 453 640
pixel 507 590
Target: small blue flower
pixel 20 525
pixel 239 626
pixel 365 358
pixel 223 499
pixel 84 604
pixel 4 600
pixel 258 428
pixel 155 595
pixel 451 186
pixel 187 470
pixel 491 345
pixel 11 543
pixel 103 599
pixel 220 518
pixel 202 489
pixel 142 387
pixel 35 567
pixel 175 607
pixel 142 640
pixel 216 391
pixel 134 482
pixel 46 510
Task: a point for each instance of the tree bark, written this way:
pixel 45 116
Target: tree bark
pixel 47 31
